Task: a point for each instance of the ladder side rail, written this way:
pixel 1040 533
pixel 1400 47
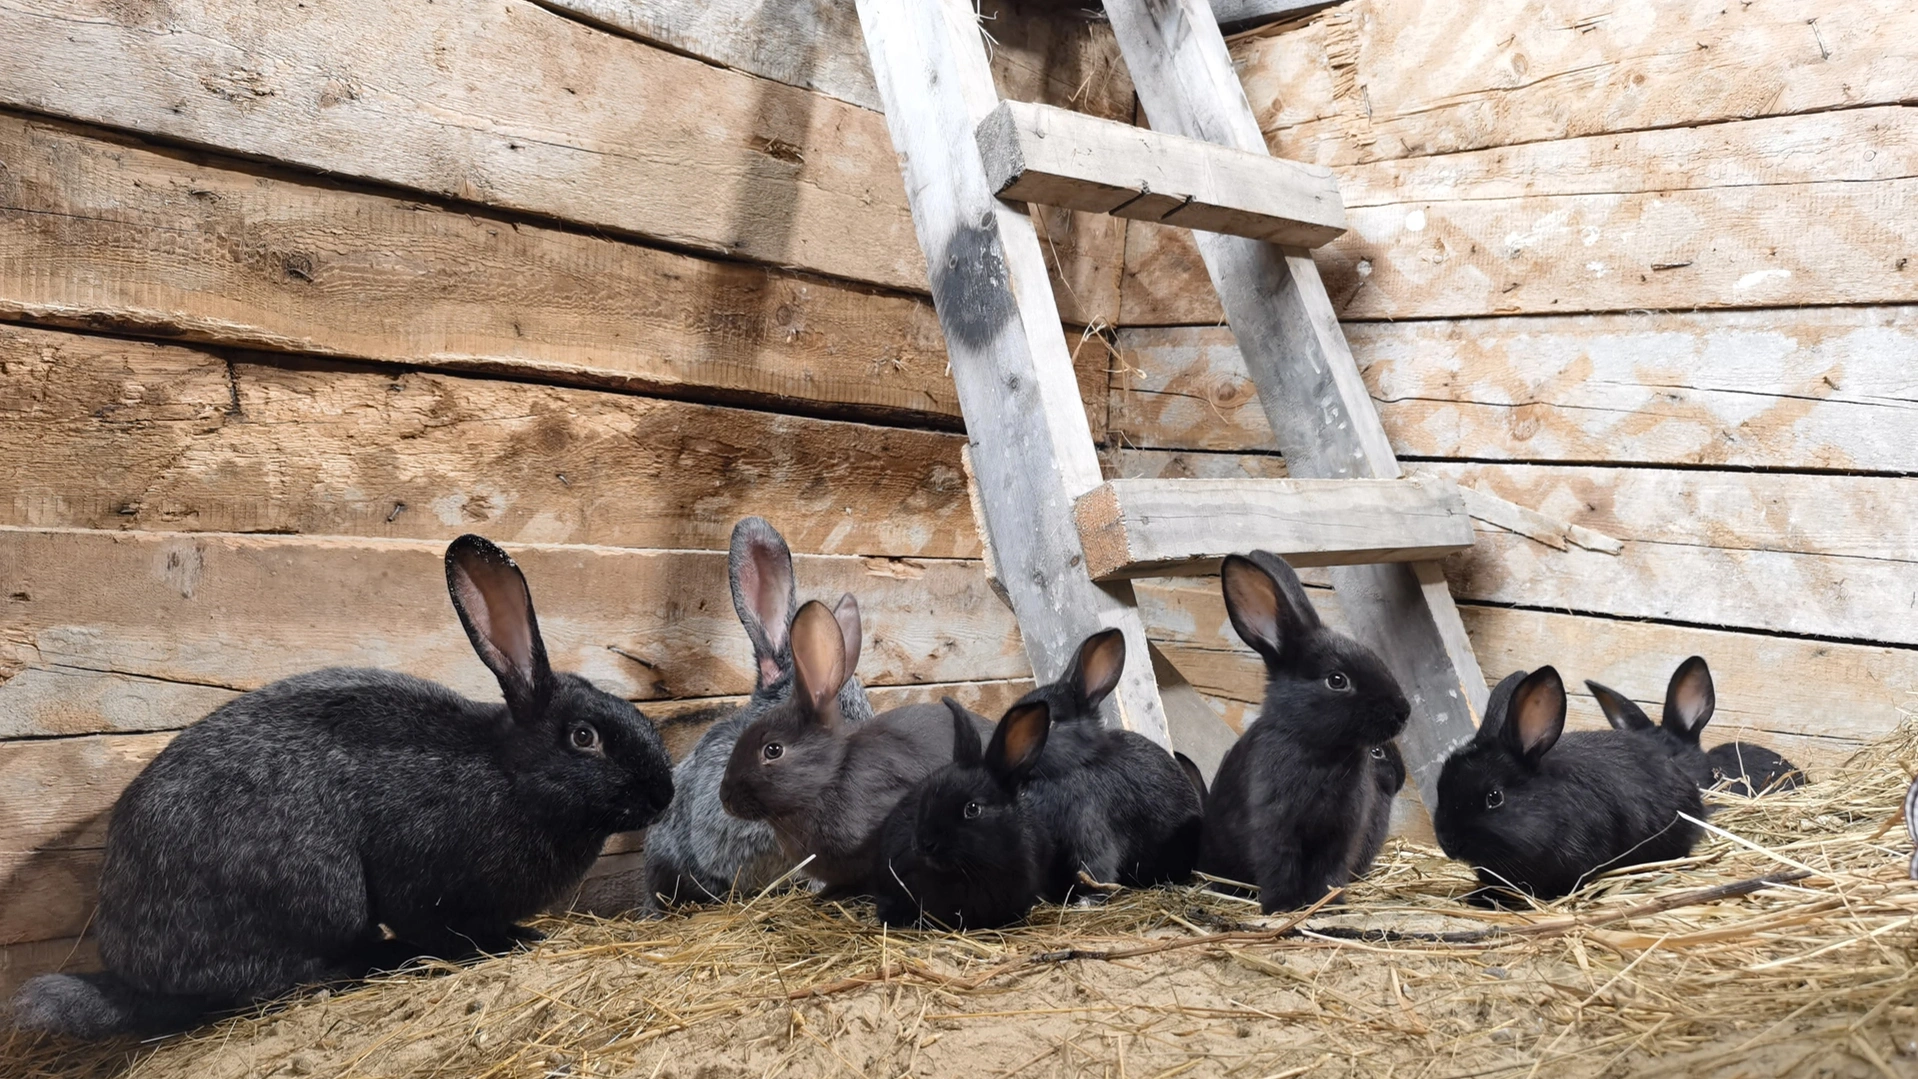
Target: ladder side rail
pixel 1308 383
pixel 1030 446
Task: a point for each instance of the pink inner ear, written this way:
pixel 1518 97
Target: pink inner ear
pixel 496 601
pixel 1254 599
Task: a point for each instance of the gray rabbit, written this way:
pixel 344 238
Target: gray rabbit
pixel 698 852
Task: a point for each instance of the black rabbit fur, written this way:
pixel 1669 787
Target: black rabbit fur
pixel 1297 800
pixel 1748 769
pixel 959 850
pixel 1690 698
pixel 1116 805
pixel 1540 813
pixel 268 844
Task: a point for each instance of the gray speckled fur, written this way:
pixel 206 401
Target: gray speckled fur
pixel 698 852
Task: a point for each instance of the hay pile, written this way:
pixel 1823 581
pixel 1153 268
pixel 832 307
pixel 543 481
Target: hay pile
pixel 1685 968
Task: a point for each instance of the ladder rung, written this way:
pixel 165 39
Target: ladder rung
pixel 1158 528
pixel 1057 157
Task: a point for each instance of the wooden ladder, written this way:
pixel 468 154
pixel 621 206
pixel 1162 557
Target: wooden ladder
pixel 1063 545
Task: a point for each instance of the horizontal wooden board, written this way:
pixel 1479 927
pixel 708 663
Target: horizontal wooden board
pixel 237 612
pixel 1373 79
pixel 1170 527
pixel 1832 696
pixel 506 104
pixel 100 233
pixel 1787 388
pixel 1040 50
pixel 1058 157
pixel 1791 210
pixel 120 434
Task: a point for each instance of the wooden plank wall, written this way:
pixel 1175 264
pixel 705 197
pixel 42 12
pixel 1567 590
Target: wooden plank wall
pixel 1647 268
pixel 288 299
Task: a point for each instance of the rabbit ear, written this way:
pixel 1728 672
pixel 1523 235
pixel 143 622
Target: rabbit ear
pixel 965 737
pixel 1536 715
pixel 1266 602
pixel 490 594
pixel 1097 666
pixel 1690 699
pixel 1017 742
pixel 760 566
pixel 1497 705
pixel 819 662
pixel 846 613
pixel 1621 711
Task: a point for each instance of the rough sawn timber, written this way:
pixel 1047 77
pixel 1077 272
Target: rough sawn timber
pixel 1178 527
pixel 125 434
pixel 1372 79
pixel 1308 384
pixel 1825 388
pixel 1030 447
pixel 1057 157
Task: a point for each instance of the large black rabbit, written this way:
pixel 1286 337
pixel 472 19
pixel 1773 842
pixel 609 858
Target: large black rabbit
pixel 698 852
pixel 1119 807
pixel 822 784
pixel 960 851
pixel 1297 801
pixel 268 845
pixel 1542 814
pixel 1690 698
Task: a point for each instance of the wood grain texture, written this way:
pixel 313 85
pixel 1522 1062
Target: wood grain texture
pixel 18 962
pixel 1057 157
pixel 1030 447
pixel 1787 211
pixel 1175 527
pixel 1319 411
pixel 1374 79
pixel 1833 697
pixel 102 234
pixel 120 434
pixel 1789 388
pixel 236 612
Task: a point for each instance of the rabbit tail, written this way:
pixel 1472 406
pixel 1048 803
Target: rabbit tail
pixel 96 1006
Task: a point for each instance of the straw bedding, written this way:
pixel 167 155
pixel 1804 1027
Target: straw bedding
pixel 1785 945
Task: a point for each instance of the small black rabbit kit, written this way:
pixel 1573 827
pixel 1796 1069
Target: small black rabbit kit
pixel 349 821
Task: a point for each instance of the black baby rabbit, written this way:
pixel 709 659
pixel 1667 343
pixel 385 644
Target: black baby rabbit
pixel 1120 808
pixel 822 784
pixel 1542 814
pixel 698 852
pixel 271 842
pixel 959 850
pixel 1297 800
pixel 1388 771
pixel 1690 698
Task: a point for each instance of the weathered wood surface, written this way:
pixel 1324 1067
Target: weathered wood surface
pixel 1239 14
pixel 1373 79
pixel 1835 696
pixel 1792 388
pixel 1031 450
pixel 1040 51
pixel 1057 157
pixel 1764 213
pixel 239 611
pixel 1823 555
pixel 18 962
pixel 103 234
pixel 119 434
pixel 1173 527
pixel 1308 384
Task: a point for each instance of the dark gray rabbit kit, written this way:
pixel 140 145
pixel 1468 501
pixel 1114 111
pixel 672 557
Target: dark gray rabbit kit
pixel 1298 804
pixel 698 852
pixel 1117 806
pixel 269 844
pixel 1539 812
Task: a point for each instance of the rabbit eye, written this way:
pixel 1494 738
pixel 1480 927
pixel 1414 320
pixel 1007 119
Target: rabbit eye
pixel 1338 681
pixel 773 751
pixel 1494 799
pixel 585 737
pixel 1378 753
pixel 971 810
